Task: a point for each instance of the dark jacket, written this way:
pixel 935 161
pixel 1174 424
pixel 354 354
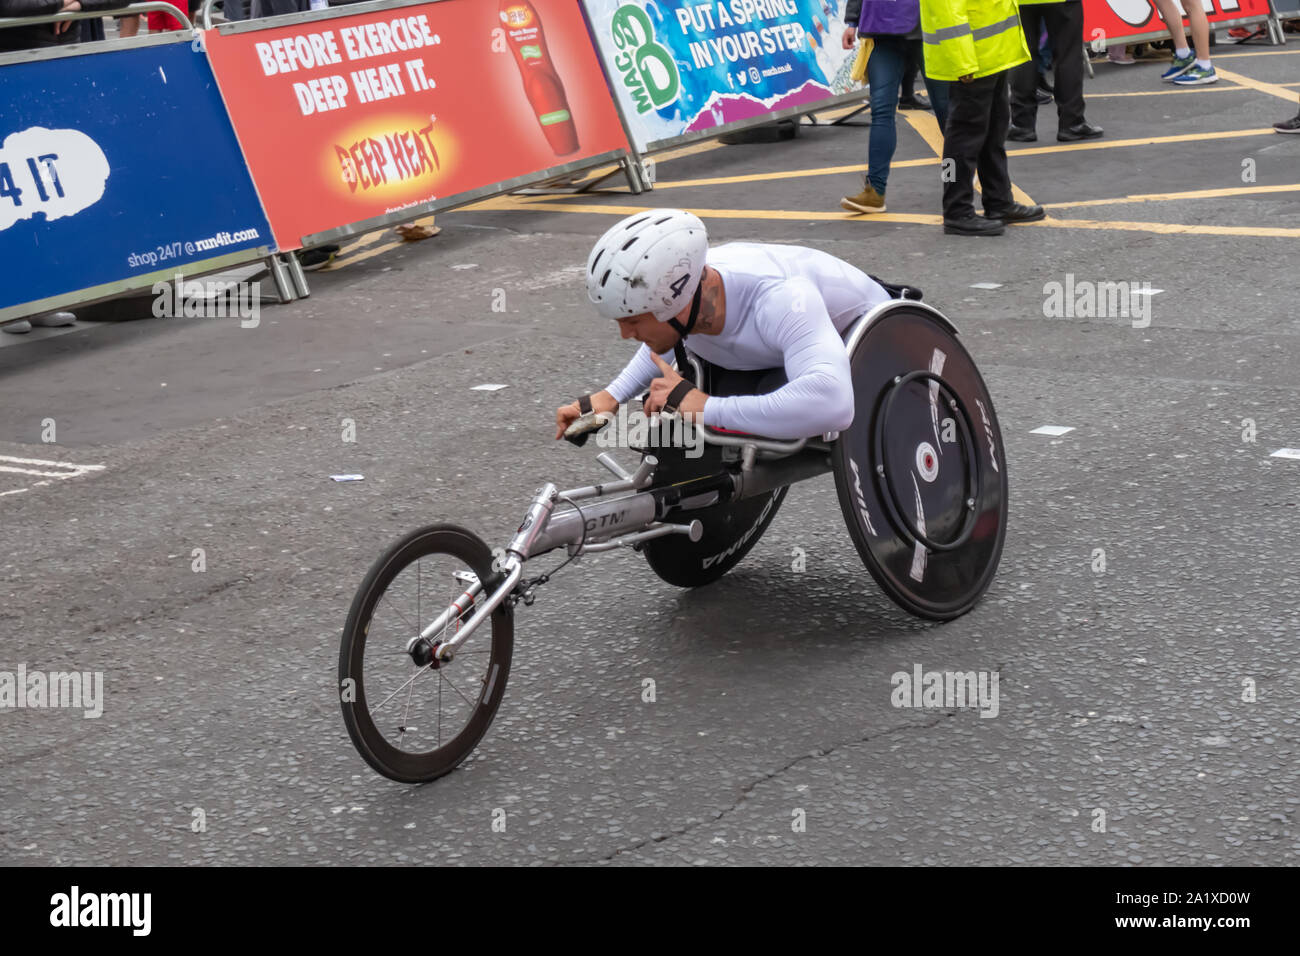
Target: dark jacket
pixel 885 17
pixel 42 34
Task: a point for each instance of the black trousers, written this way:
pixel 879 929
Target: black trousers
pixel 1065 35
pixel 910 70
pixel 975 141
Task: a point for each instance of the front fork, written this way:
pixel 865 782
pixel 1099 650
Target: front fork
pixel 423 649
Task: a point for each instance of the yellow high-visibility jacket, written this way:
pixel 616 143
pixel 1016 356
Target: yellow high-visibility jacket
pixel 971 37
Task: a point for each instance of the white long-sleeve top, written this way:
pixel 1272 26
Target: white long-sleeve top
pixel 787 307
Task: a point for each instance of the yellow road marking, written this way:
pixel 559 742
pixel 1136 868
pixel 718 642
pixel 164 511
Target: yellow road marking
pixel 1175 92
pixel 1190 194
pixel 1272 89
pixel 1144 141
pixel 367 239
pixel 1228 56
pixel 927 125
pixel 795 215
pixel 1173 228
pixel 363 241
pixel 354 258
pixel 934 160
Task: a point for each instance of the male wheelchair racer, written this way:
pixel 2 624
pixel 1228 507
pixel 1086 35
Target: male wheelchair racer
pixel 922 487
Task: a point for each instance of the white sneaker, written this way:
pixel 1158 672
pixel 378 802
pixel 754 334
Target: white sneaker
pixel 54 320
pixel 16 327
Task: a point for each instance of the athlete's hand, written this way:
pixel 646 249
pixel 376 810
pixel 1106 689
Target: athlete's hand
pixel 968 78
pixel 850 35
pixel 566 415
pixel 661 387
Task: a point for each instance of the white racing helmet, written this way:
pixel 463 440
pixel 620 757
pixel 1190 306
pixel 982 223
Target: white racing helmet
pixel 650 262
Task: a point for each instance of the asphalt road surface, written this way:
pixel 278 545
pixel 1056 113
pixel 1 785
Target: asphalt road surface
pixel 1148 708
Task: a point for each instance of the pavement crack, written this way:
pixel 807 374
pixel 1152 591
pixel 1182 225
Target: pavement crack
pixel 748 790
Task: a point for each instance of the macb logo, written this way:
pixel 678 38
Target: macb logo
pixel 646 67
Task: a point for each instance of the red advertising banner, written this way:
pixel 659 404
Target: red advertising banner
pixel 1116 19
pixel 349 118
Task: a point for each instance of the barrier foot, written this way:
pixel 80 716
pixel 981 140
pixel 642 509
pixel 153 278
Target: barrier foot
pixel 301 291
pixel 624 167
pixel 844 120
pixel 638 180
pixel 280 277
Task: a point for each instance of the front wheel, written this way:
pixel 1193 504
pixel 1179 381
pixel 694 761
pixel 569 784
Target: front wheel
pixel 416 723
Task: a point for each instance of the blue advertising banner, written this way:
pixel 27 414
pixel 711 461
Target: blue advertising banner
pixel 117 168
pixel 682 66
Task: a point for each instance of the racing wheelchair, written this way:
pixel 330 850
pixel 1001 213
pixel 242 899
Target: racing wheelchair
pixel 921 483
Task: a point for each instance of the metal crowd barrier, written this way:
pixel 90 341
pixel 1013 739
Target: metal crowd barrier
pixel 289 283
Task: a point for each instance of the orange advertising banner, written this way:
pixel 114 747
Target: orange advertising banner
pixel 349 118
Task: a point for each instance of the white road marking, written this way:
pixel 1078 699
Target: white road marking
pixel 1286 453
pixel 987 285
pixel 487 388
pixel 1052 430
pixel 59 470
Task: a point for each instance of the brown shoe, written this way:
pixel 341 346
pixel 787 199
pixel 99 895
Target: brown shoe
pixel 866 201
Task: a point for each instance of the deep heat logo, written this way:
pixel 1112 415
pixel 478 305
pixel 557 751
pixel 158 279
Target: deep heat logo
pixel 646 67
pixel 389 157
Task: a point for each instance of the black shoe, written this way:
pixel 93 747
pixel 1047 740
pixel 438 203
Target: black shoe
pixel 318 256
pixel 913 102
pixel 1022 134
pixel 973 226
pixel 1017 212
pixel 1079 131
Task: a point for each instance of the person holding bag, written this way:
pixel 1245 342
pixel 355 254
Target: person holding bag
pixel 894 28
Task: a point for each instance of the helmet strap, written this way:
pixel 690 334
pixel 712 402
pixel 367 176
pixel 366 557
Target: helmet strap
pixel 683 366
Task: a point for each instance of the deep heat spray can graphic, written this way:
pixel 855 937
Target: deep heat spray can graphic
pixel 542 84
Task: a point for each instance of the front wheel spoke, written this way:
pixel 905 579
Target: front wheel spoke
pixel 457 690
pixel 406 713
pixel 422 670
pixel 405 620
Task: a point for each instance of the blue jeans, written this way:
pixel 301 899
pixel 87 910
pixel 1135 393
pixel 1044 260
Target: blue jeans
pixel 885 74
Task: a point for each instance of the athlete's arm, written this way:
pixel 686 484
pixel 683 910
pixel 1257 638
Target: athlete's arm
pixel 632 381
pixel 637 376
pixel 819 394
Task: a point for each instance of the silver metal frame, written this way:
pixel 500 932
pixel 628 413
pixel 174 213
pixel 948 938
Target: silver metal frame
pixel 145 7
pixel 110 290
pixel 307 16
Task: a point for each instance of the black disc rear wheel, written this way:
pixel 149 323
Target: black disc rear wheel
pixel 920 473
